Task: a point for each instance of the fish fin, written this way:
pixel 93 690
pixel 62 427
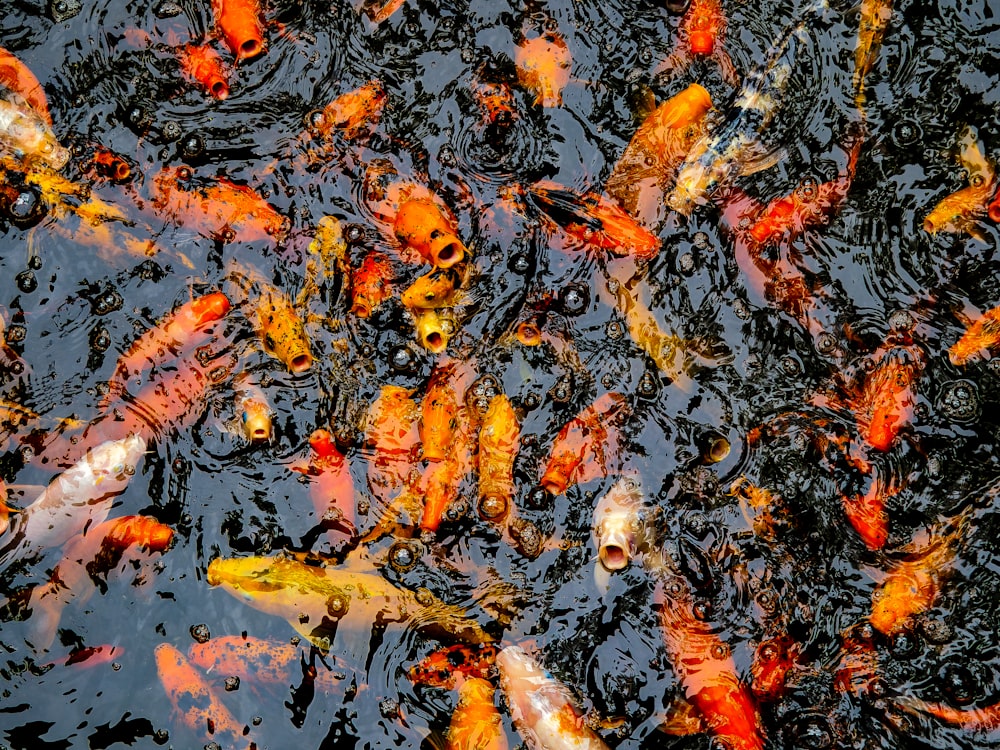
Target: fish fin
pixel 46 613
pixel 760 159
pixel 977 231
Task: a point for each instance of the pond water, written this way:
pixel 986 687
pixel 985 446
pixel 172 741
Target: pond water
pixel 777 381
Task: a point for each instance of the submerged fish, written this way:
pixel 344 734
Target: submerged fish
pixel 874 17
pixel 26 136
pixel 476 723
pixel 262 661
pixel 961 211
pixel 203 65
pixel 241 26
pixel 983 334
pixel 543 65
pixel 702 33
pixel 351 113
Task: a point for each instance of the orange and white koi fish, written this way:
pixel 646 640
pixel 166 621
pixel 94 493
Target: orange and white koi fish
pixel 447 665
pixel 254 413
pixel 498 445
pixel 702 30
pixel 331 486
pixel 476 723
pixel 371 284
pixel 960 211
pixel 89 557
pixel 241 25
pixel 423 226
pixel 195 702
pixel 185 326
pixel 276 321
pixel 645 172
pixel 707 671
pixel 889 393
pixel 586 447
pixel 350 114
pixel 17 76
pixel 543 66
pixel 595 220
pixel 874 17
pixel 221 210
pixel 77 498
pixel 542 707
pixel 256 660
pixel 203 65
pixel 617 524
pixel 26 136
pixel 983 334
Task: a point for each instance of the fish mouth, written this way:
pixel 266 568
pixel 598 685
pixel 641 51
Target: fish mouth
pixel 300 362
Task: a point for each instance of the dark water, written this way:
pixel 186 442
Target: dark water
pixel 112 78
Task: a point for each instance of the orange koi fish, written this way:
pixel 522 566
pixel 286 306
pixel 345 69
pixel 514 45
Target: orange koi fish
pixel 434 328
pixel 350 114
pixel 17 76
pixel 960 211
pixel 595 220
pixel 276 321
pixel 439 414
pixel 326 262
pixel 241 25
pixel 586 445
pixel 331 487
pixel 771 663
pixel 497 107
pixel 195 702
pixel 186 326
pixel 89 657
pixel 543 66
pixel 707 672
pixel 972 719
pixel 391 430
pixel 888 395
pixel 702 33
pixel 542 707
pixel 88 558
pixel 446 665
pixel 440 482
pixel 644 174
pixel 26 136
pixel 982 334
pixel 875 15
pixel 222 210
pixel 499 440
pixel 259 660
pixel 378 10
pixel 439 288
pixel 476 723
pixel 993 211
pixel 866 512
pixel 371 284
pixel 203 65
pixel 810 205
pixel 424 226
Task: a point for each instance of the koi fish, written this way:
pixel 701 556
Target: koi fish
pixel 439 414
pixel 982 334
pixel 439 288
pixel 497 107
pixel 476 723
pixel 391 430
pixel 221 210
pixel 185 326
pixel 771 664
pixel 972 719
pixel 866 512
pixel 350 114
pixel 79 497
pixel 993 211
pixel 254 415
pixel 595 220
pixel 378 10
pixel 241 25
pixel 616 524
pixel 433 328
pixel 888 395
pixel 543 66
pixel 66 196
pixel 647 167
pixel 371 284
pixel 26 136
pixel 423 226
pixel 328 602
pixel 961 210
pixel 734 148
pixel 88 558
pixel 498 445
pixel 585 446
pixel 810 205
pixel 17 77
pixel 195 702
pixel 541 707
pixel 326 261
pixel 106 163
pixel 702 30
pixel 440 482
pixel 875 15
pixel 276 321
pixel 203 65
pixel 331 486
pixel 445 666
pixel 257 660
pixel 5 510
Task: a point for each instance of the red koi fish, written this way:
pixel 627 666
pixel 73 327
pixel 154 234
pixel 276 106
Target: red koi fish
pixel 595 220
pixel 371 284
pixel 256 660
pixel 982 335
pixel 17 76
pixel 110 165
pixel 702 33
pixel 476 723
pixel 445 666
pixel 195 702
pixel 331 487
pixel 772 662
pixel 350 114
pixel 203 65
pixel 993 210
pixel 89 657
pixel 543 66
pixel 222 210
pixel 707 672
pixel 185 326
pixel 866 512
pixel 885 404
pixel 810 205
pixel 585 446
pixel 241 25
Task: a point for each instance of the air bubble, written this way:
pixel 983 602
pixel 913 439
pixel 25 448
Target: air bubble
pixel 647 386
pixel 520 263
pixel 26 282
pixel 574 299
pixel 192 146
pixel 959 684
pixel 791 366
pixel 959 401
pixel 201 633
pixel 686 264
pixel 401 557
pixel 402 359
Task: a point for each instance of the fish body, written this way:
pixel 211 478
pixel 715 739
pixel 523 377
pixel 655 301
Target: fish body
pixel 912 584
pixel 993 210
pixel 874 17
pixel 888 396
pixel 17 76
pixel 26 136
pixel 371 284
pixel 203 65
pixel 441 480
pixel 734 147
pixel 326 262
pixel 476 723
pixel 276 321
pixel 256 660
pixel 424 226
pixel 585 446
pixel 543 66
pixel 866 511
pixel 241 26
pixel 595 221
pixel 961 211
pixel 254 415
pixel 499 440
pixel 982 334
pixel 772 661
pixel 646 169
pixel 969 718
pixel 439 414
pixel 497 108
pixel 321 602
pixel 351 114
pixel 331 487
pixel 448 665
pixel 541 707
pixel 391 429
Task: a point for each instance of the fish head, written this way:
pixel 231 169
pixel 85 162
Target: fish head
pixel 616 521
pixel 211 307
pixel 256 419
pixel 284 337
